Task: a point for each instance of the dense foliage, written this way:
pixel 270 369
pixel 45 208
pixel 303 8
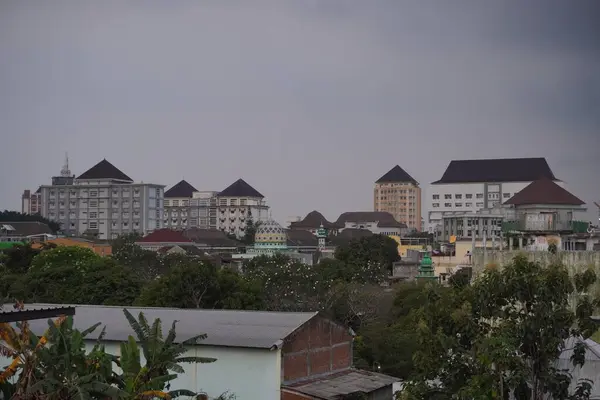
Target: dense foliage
pixel 468 340
pixel 56 364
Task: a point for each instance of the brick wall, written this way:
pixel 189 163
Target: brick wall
pixel 318 348
pixel 285 395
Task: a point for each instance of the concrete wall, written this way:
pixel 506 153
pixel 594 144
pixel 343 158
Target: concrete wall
pixel 574 260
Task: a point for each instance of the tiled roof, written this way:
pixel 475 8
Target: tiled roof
pixel 544 191
pixel 383 219
pixel 27 228
pixel 300 237
pixel 210 238
pixel 240 188
pixel 397 174
pixel 496 170
pixel 165 236
pixel 229 328
pixel 181 189
pixel 341 384
pixel 105 170
pixel 313 220
pixel 349 234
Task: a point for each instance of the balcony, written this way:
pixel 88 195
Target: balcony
pixel 544 225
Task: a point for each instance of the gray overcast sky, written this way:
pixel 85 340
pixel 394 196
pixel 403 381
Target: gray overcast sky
pixel 309 101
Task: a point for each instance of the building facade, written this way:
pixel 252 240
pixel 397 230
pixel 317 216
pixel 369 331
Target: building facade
pixel 472 185
pixel 469 224
pixel 30 202
pixel 236 204
pixel 186 207
pixel 102 202
pixel 377 222
pixel 399 194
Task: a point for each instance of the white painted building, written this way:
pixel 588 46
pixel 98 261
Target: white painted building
pixel 103 202
pixel 471 185
pixel 236 204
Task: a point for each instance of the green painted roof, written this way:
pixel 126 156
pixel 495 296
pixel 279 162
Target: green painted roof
pixel 8 245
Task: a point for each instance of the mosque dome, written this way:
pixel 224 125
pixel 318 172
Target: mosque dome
pixel 270 232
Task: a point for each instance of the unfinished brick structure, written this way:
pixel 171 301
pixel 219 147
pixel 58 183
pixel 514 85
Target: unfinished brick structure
pixel 318 348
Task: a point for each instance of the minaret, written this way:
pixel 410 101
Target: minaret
pixel 321 235
pixel 65 171
pixel 426 269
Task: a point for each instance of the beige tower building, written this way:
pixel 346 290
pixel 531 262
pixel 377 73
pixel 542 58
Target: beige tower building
pixel 399 194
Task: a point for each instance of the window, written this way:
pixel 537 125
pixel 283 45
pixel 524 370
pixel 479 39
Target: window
pixel 93 215
pixel 493 196
pixel 435 205
pixel 176 203
pixel 458 196
pixel 222 202
pixel 447 204
pixel 479 195
pixel 468 196
pixel 185 202
pixel 435 197
pixel 93 203
pixel 458 204
pixel 468 204
pixel 242 202
pixel 93 225
pixel 479 204
pixel 93 193
pixel 447 196
pixel 506 195
pixel 167 202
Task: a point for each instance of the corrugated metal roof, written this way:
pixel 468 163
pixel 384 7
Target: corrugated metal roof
pixel 344 383
pixel 230 328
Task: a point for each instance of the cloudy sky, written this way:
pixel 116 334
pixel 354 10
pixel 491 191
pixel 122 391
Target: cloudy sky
pixel 309 101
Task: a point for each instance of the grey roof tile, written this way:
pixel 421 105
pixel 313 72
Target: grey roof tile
pixel 229 328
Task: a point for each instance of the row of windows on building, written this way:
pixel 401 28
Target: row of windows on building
pixel 459 196
pixel 95 193
pixel 459 205
pixel 205 202
pixel 95 203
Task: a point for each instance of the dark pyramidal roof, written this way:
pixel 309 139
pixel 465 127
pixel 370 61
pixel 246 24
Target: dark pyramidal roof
pixel 397 174
pixel 240 188
pixel 181 189
pixel 544 191
pixel 313 220
pixel 497 170
pixel 105 170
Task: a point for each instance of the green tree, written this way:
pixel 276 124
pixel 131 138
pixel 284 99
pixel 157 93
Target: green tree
pixel 62 256
pixel 99 281
pixel 503 334
pixel 17 259
pixel 288 284
pixel 369 258
pixel 250 230
pixel 147 264
pixel 162 358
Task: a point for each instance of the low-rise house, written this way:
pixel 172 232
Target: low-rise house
pixel 260 355
pixel 28 231
pixel 163 237
pixel 313 221
pixel 378 222
pixel 542 212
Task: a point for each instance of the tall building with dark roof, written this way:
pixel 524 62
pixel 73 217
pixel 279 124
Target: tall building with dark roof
pixel 186 207
pixel 102 202
pixel 236 203
pixel 399 194
pixel 472 185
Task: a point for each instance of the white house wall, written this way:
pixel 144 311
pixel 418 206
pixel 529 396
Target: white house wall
pixel 249 374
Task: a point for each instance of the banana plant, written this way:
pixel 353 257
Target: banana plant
pixel 67 371
pixel 162 358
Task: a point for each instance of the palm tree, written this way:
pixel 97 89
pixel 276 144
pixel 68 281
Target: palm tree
pixel 162 357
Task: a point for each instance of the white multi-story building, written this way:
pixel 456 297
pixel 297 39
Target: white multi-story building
pixel 186 207
pixel 236 204
pixel 472 185
pixel 102 202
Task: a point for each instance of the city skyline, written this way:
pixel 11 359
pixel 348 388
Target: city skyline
pixel 309 102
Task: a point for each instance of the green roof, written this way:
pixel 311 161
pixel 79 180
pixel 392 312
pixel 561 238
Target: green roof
pixel 8 245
